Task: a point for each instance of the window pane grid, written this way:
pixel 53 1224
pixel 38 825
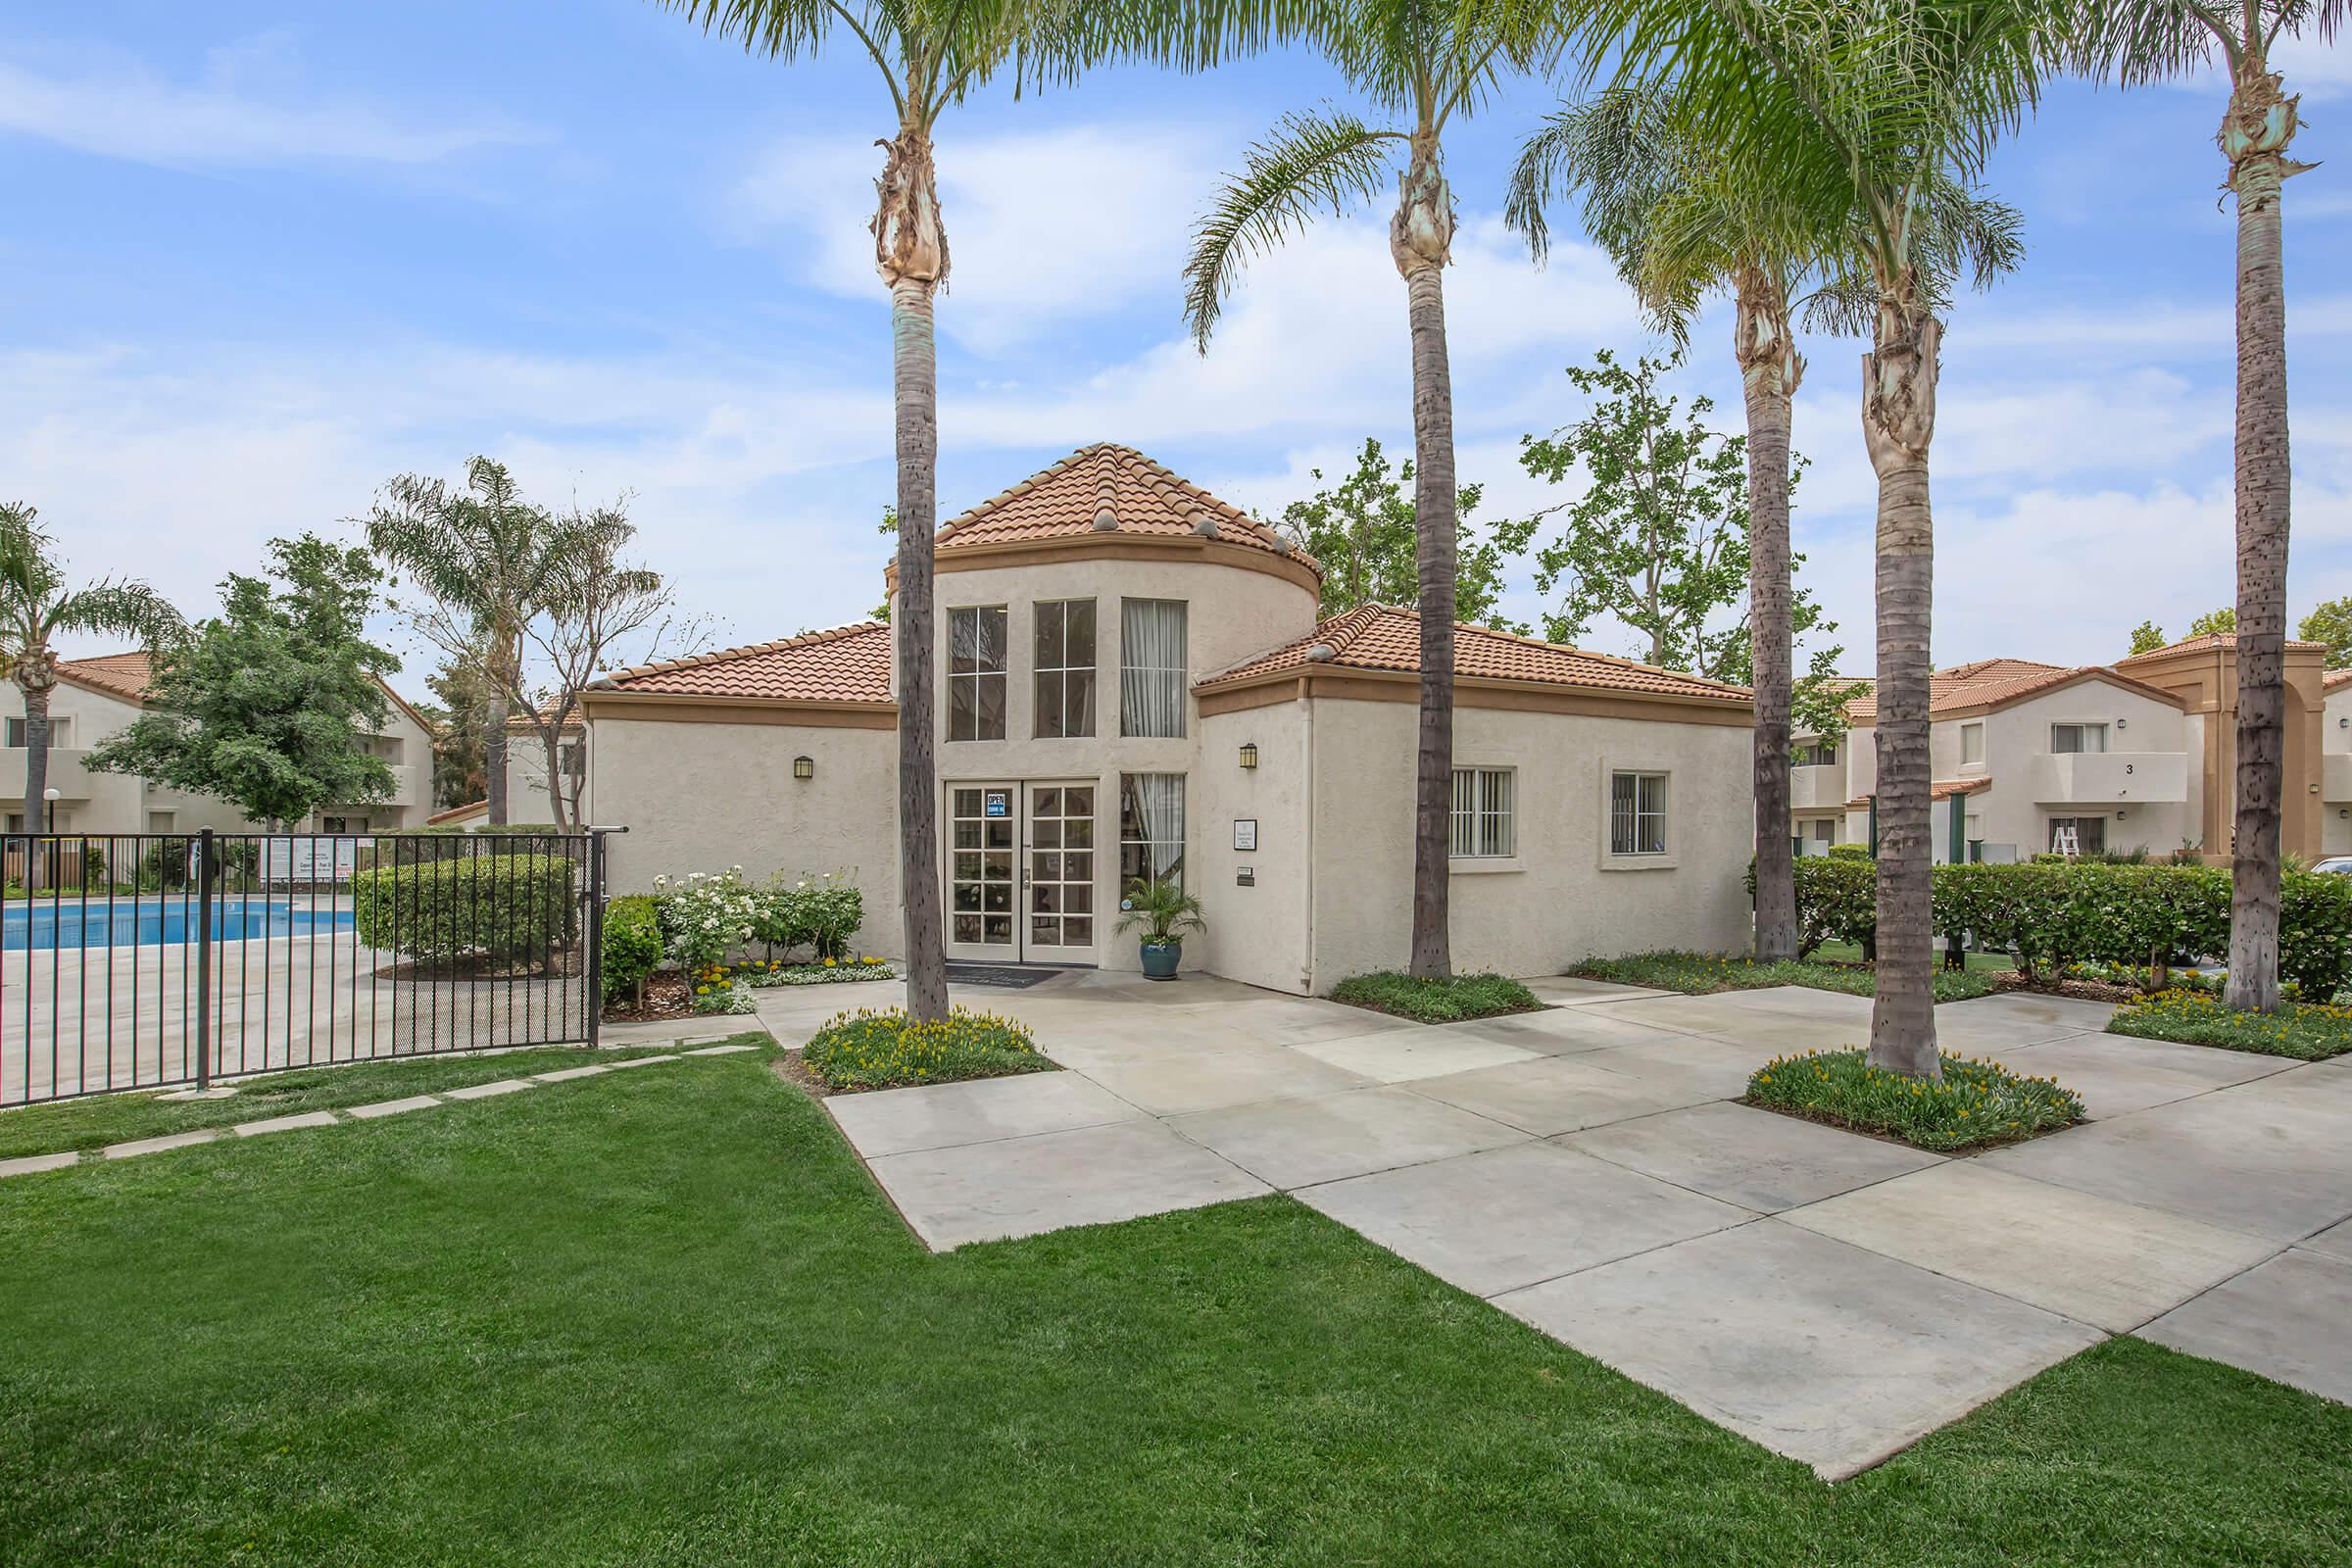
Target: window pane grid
pixel 1481 826
pixel 1151 828
pixel 1064 665
pixel 1151 667
pixel 1636 814
pixel 976 673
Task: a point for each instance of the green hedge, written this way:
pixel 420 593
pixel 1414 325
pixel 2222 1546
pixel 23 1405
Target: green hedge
pixel 2052 914
pixel 515 907
pixel 632 943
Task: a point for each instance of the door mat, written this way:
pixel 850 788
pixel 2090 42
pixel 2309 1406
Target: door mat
pixel 983 974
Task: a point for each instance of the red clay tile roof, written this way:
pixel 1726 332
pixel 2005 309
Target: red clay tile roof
pixel 1070 501
pixel 124 675
pixel 2334 680
pixel 1995 682
pixel 128 676
pixel 1382 637
pixel 1944 789
pixel 847 664
pixel 2211 639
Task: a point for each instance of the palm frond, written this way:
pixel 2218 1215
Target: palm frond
pixel 122 609
pixel 1307 164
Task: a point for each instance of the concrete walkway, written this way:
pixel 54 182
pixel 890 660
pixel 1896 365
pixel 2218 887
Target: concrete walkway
pixel 1832 1296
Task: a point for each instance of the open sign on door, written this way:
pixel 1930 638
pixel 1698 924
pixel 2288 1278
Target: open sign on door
pixel 998 803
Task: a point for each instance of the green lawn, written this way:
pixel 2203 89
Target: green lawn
pixel 102 1119
pixel 1851 953
pixel 1700 973
pixel 664 1318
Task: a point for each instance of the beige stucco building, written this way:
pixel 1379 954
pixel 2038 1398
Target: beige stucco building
pixel 2142 753
pixel 2335 764
pixel 1133 682
pixel 96 698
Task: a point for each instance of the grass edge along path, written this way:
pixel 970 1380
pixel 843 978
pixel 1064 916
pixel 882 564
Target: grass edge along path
pixel 1698 974
pixel 93 1121
pixel 668 1320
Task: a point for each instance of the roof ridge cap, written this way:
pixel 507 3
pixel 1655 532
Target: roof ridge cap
pixel 716 655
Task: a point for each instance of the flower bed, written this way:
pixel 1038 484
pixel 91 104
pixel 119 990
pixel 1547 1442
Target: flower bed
pixel 1452 1000
pixel 1974 1105
pixel 880 1049
pixel 2195 1017
pixel 1697 974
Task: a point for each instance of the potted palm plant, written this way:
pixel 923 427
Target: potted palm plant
pixel 1164 912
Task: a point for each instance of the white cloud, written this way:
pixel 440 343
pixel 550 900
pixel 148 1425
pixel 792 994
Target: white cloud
pixel 1044 227
pixel 248 110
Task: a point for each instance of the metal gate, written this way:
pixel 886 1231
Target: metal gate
pixel 155 960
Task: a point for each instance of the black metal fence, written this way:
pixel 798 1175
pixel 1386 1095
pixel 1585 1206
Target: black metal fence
pixel 158 961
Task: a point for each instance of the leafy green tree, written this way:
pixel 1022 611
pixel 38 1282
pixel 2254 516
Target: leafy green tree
pixel 2147 637
pixel 1659 539
pixel 2215 622
pixel 1362 531
pixel 2330 622
pixel 1421 63
pixel 1864 112
pixel 35 608
pixel 268 705
pixel 2153 41
pixel 461 757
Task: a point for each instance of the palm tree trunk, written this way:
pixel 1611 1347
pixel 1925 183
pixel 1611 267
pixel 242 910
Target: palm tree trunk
pixel 1899 421
pixel 2254 136
pixel 1770 369
pixel 1420 239
pixel 36 675
pixel 911 252
pixel 494 753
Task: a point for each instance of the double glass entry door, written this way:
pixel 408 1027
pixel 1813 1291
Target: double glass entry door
pixel 1021 873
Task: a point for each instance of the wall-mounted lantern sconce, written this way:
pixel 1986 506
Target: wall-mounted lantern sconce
pixel 804 767
pixel 1249 753
pixel 2345 722
pixel 2119 815
pixel 2122 723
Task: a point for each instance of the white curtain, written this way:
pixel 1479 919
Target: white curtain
pixel 1158 802
pixel 1151 667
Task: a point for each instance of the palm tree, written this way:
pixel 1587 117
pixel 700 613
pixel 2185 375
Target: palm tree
pixel 489 561
pixel 929 54
pixel 1679 229
pixel 1861 114
pixel 1422 63
pixel 35 608
pixel 2149 40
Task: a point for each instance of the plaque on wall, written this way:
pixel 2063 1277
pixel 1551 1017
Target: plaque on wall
pixel 1245 833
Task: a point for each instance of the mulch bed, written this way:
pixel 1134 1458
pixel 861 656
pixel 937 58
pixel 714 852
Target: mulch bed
pixel 793 1071
pixel 666 997
pixel 2080 990
pixel 478 966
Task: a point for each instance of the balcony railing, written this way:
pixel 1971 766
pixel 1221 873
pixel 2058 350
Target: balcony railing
pixel 2087 778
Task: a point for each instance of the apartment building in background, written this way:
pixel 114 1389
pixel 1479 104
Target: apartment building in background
pixel 2142 753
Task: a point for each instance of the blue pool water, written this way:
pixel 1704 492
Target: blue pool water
pixel 153 922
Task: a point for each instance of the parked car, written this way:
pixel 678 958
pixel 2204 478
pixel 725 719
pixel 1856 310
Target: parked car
pixel 2336 865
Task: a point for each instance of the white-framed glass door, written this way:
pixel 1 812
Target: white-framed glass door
pixel 1058 896
pixel 984 871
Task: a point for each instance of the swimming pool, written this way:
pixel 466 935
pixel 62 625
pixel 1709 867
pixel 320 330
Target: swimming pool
pixel 155 922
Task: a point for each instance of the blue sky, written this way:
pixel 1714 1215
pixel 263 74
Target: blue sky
pixel 265 255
